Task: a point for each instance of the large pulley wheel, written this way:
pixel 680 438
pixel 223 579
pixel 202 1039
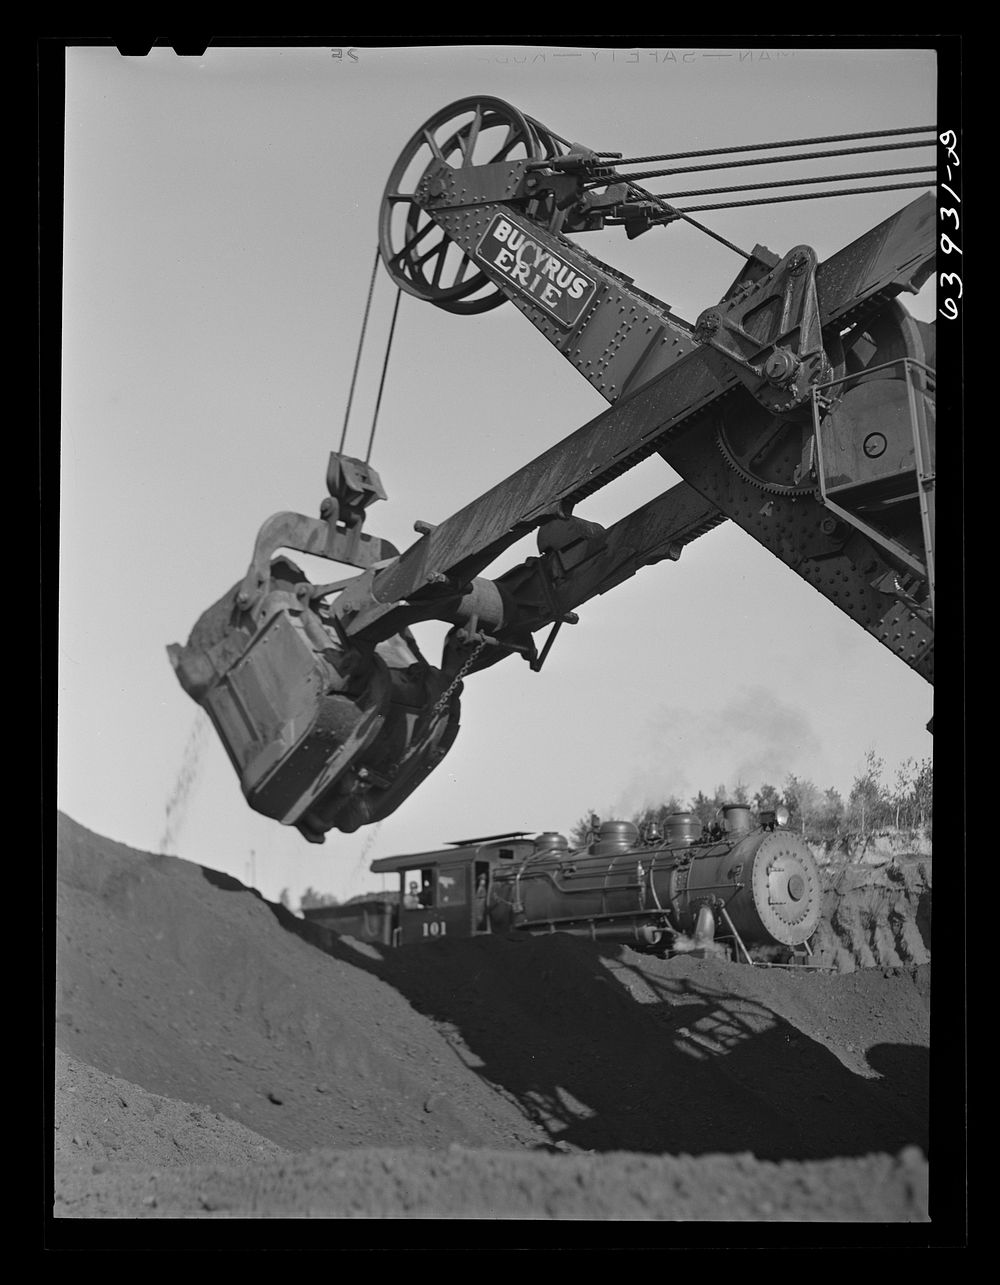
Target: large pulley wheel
pixel 550 145
pixel 773 452
pixel 419 255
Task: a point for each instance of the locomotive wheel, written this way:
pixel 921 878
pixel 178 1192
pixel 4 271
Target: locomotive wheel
pixel 767 450
pixel 420 257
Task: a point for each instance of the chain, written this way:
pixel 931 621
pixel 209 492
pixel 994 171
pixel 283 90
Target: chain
pixel 445 696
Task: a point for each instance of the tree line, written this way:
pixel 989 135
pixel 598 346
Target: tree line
pixel 874 804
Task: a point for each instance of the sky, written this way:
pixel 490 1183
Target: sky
pixel 220 224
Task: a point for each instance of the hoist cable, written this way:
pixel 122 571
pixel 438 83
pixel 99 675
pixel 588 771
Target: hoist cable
pixel 760 147
pixel 615 177
pixel 665 205
pixel 385 367
pixel 357 359
pixel 807 196
pixel 799 182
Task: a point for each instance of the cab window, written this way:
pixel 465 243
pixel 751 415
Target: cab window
pixel 418 889
pixel 451 886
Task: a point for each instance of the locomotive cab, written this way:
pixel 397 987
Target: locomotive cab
pixel 447 893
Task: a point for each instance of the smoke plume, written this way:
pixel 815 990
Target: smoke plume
pixel 753 738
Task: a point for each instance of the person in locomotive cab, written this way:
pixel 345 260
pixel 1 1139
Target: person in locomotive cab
pixel 412 899
pixel 481 902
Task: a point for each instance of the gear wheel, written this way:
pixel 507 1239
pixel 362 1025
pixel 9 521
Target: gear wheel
pixel 793 489
pixel 760 448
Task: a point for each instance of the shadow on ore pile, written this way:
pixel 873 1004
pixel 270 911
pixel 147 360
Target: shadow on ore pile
pixel 608 1050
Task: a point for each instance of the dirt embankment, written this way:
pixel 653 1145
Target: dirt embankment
pixel 215 1063
pixel 875 915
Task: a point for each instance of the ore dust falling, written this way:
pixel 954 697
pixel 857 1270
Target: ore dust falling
pixel 366 847
pixel 187 779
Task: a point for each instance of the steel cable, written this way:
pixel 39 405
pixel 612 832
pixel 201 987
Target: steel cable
pixel 385 367
pixel 665 205
pixel 806 196
pixel 615 177
pixel 357 359
pixel 759 147
pixel 798 182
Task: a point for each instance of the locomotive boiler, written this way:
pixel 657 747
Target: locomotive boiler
pixel 752 886
pixel 735 886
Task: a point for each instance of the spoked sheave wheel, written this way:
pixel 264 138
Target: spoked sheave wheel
pixel 550 144
pixel 421 258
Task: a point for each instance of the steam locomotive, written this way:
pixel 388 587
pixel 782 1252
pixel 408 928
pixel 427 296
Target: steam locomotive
pixel 728 889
